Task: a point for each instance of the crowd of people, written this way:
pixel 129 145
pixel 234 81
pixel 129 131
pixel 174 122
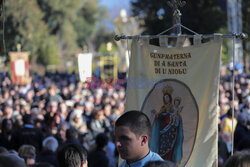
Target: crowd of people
pixel 55 109
pixel 39 118
pixel 234 113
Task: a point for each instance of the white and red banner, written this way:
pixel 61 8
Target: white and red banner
pixel 20 67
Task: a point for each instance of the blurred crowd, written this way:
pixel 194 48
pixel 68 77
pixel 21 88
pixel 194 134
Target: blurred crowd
pixel 234 113
pixel 56 108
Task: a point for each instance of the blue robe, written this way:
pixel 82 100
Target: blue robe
pixel 170 140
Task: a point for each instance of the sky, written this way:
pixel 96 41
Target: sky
pixel 114 7
pixel 111 4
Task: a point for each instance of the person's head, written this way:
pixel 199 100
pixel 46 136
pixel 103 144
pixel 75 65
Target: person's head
pixel 3 150
pixel 50 143
pixel 71 133
pixel 63 108
pixel 107 110
pixel 71 155
pixel 28 153
pixel 242 119
pixel 89 107
pixel 99 115
pixel 7 110
pixel 79 106
pixel 76 117
pixel 132 134
pixel 167 98
pixel 56 120
pixel 177 101
pixel 229 113
pixel 53 106
pixel 52 90
pixel 159 164
pixel 101 140
pixel 167 91
pixel 239 159
pixel 62 128
pixel 7 125
pixel 27 119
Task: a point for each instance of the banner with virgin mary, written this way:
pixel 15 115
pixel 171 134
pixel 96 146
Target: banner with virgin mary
pixel 178 89
pixel 19 62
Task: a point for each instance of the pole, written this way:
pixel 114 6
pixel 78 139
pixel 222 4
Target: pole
pixel 175 4
pixel 233 83
pixel 204 36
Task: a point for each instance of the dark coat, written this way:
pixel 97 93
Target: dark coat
pixel 47 156
pixel 27 135
pixel 241 134
pixel 98 158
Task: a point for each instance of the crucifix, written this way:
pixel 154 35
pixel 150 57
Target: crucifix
pixel 174 5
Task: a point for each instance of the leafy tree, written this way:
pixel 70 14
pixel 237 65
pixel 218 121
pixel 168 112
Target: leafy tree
pixel 49 48
pixel 24 25
pixel 85 23
pixel 204 16
pixel 246 29
pixel 246 17
pixel 90 25
pixel 60 16
pixel 52 28
pixel 75 23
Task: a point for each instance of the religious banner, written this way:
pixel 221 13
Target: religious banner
pixel 20 67
pixel 85 66
pixel 109 69
pixel 178 89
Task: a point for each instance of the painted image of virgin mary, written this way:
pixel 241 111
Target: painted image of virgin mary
pixel 167 131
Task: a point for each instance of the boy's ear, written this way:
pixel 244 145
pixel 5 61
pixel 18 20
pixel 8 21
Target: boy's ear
pixel 144 139
pixel 84 164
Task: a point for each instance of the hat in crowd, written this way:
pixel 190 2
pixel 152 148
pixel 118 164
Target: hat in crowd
pixel 11 159
pixel 79 104
pixel 50 143
pixel 27 151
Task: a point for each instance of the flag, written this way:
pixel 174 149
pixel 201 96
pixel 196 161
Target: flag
pixel 108 63
pixel 178 89
pixel 20 67
pixel 85 66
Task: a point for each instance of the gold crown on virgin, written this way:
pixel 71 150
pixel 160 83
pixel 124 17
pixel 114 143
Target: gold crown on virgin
pixel 167 90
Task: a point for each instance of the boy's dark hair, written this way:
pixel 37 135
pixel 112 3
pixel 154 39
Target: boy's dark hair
pixel 71 155
pixel 138 122
pixel 239 159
